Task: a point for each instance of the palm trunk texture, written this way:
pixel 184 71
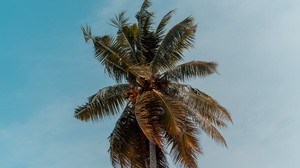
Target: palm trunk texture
pixel 152 155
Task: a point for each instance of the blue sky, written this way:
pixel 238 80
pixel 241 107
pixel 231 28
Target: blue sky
pixel 46 70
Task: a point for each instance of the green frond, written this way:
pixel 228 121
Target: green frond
pixel 120 20
pixel 113 56
pixel 105 102
pixel 148 112
pixel 189 70
pixel 170 51
pixel 144 17
pixel 160 30
pixel 127 35
pixel 146 40
pixel 146 4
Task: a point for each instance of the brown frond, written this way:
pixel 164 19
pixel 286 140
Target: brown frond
pixel 173 116
pixel 185 147
pixel 207 125
pixel 148 112
pixel 128 144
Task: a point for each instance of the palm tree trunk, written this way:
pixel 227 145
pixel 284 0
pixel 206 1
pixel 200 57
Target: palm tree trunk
pixel 152 153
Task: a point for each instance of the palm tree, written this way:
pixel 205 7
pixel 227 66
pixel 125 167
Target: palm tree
pixel 158 113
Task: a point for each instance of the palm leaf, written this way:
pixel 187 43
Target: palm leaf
pixel 144 19
pixel 178 38
pixel 146 4
pixel 148 112
pixel 204 110
pixel 203 103
pixel 207 125
pixel 160 30
pixel 185 147
pixel 111 54
pixel 190 69
pixel 128 145
pixel 105 102
pixel 173 116
pixel 120 20
pixel 126 35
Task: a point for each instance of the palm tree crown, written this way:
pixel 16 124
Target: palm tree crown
pixel 156 108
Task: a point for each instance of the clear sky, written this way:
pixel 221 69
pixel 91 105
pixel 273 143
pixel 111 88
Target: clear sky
pixel 46 70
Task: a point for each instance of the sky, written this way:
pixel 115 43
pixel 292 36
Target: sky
pixel 47 70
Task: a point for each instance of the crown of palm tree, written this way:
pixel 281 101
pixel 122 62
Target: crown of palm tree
pixel 157 107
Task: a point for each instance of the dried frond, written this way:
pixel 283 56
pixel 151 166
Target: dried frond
pixel 201 102
pixel 204 110
pixel 174 115
pixel 185 147
pixel 207 125
pixel 128 144
pixel 148 112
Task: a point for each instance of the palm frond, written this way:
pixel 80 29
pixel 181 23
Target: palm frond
pixel 120 20
pixel 189 70
pixel 160 30
pixel 127 34
pixel 173 116
pixel 178 38
pixel 105 102
pixel 111 54
pixel 207 125
pixel 146 40
pixel 202 103
pixel 87 33
pixel 185 147
pixel 148 112
pixel 146 4
pixel 204 110
pixel 128 145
